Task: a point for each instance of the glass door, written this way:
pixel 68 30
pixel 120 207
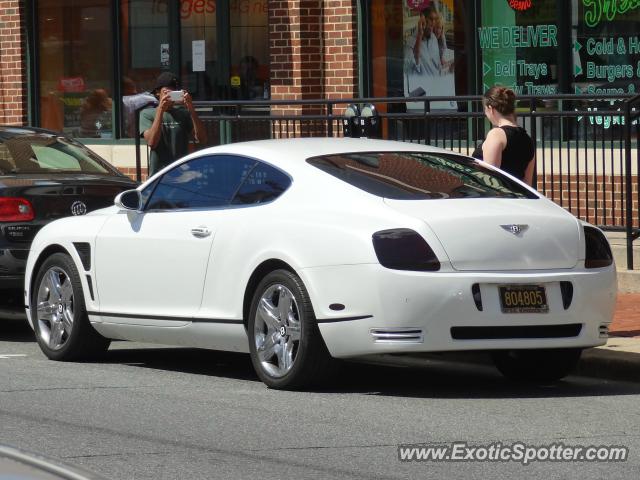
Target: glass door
pixel 148 46
pixel 249 50
pixel 199 49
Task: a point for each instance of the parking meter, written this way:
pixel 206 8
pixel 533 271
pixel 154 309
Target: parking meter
pixel 369 121
pixel 350 127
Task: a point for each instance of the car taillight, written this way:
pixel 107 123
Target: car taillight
pixel 597 250
pixel 404 249
pixel 15 210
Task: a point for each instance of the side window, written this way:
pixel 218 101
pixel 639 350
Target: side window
pixel 146 193
pixel 263 184
pixel 203 182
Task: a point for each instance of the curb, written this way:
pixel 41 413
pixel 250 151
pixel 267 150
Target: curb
pixel 610 364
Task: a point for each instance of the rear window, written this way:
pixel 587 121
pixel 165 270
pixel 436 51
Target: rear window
pixel 419 175
pixel 48 153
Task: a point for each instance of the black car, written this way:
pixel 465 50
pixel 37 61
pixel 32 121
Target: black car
pixel 45 175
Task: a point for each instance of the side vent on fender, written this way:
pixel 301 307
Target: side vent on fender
pixel 90 287
pixel 84 251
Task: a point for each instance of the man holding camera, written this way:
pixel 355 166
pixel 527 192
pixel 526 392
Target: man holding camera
pixel 168 127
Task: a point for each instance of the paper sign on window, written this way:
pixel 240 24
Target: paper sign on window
pixel 164 54
pixel 197 50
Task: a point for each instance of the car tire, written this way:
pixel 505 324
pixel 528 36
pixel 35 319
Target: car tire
pixel 543 365
pixel 59 315
pixel 287 349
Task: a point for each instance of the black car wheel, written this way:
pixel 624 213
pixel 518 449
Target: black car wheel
pixel 287 350
pixel 59 315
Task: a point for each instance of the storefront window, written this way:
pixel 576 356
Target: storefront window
pixel 606 47
pixel 519 46
pixel 145 41
pixel 76 65
pixel 249 49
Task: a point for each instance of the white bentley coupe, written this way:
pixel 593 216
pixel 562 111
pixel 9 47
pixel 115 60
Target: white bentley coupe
pixel 299 251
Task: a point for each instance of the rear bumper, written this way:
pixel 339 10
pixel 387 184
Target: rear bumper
pixel 389 311
pixel 12 264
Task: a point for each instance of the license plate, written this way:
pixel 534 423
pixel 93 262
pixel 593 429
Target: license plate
pixel 523 299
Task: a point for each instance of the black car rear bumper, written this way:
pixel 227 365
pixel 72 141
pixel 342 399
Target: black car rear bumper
pixel 12 263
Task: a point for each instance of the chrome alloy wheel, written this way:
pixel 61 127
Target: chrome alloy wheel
pixel 277 330
pixel 55 308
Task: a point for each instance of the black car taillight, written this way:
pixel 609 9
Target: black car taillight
pixel 404 249
pixel 14 209
pixel 597 250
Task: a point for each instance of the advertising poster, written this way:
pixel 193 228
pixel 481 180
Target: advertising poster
pixel 429 66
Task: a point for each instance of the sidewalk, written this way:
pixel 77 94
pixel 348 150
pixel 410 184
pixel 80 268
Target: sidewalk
pixel 626 321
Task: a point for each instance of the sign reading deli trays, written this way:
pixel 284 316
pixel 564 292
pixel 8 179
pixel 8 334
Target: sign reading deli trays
pixel 520 5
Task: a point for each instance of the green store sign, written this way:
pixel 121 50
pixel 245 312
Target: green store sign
pixel 594 10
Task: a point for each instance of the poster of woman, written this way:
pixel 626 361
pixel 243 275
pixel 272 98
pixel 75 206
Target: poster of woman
pixel 428 62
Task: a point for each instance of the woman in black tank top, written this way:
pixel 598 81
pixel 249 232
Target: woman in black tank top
pixel 508 147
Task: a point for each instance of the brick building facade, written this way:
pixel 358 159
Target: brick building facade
pixel 313 49
pixel 13 66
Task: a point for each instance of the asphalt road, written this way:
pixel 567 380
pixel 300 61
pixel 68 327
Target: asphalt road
pixel 148 412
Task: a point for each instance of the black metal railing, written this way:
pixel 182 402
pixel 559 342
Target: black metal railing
pixel 587 145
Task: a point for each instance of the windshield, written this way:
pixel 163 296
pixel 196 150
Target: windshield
pixel 419 175
pixel 48 153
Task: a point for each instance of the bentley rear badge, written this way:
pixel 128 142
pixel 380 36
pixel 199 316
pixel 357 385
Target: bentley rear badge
pixel 515 228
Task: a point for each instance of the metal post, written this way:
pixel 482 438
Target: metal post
pixel 627 181
pixel 136 133
pixel 427 126
pixel 534 136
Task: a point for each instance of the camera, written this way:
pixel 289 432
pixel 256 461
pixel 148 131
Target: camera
pixel 176 96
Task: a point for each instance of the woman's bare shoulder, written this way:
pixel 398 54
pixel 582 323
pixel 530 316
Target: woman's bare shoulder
pixel 497 133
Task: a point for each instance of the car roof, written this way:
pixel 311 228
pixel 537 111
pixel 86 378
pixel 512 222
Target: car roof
pixel 290 153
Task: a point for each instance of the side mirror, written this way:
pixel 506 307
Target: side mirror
pixel 129 200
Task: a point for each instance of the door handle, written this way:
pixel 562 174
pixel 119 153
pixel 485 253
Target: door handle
pixel 200 232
